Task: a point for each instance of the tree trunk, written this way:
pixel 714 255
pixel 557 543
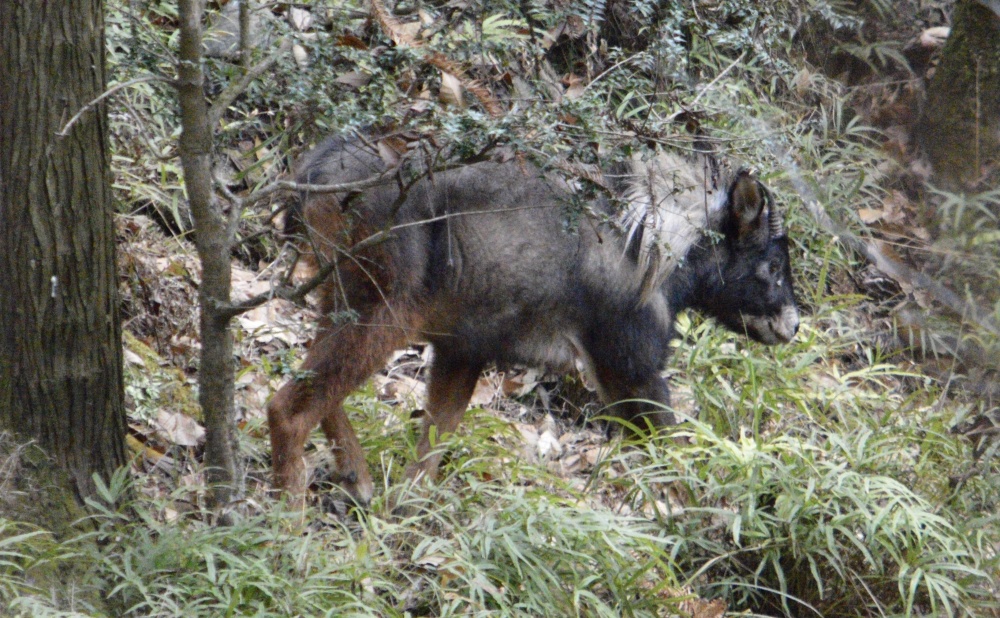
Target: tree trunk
pixel 961 121
pixel 61 355
pixel 213 239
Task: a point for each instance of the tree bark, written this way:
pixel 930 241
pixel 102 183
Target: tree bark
pixel 213 240
pixel 60 334
pixel 960 130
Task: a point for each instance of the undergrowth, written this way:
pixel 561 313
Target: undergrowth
pixel 812 519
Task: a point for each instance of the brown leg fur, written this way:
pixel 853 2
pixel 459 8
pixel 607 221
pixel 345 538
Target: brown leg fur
pixel 448 393
pixel 340 360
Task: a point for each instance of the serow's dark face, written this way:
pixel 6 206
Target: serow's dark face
pixel 751 287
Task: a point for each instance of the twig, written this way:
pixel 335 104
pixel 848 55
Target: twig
pixel 279 186
pixel 245 35
pixel 896 269
pixel 107 93
pixel 608 71
pixel 394 30
pixel 236 88
pixel 299 292
pixel 871 252
pixel 716 79
pixel 293 294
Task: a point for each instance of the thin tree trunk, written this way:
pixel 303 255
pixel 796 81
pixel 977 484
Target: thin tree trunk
pixel 61 356
pixel 213 239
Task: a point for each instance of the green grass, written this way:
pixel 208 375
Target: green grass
pixel 786 513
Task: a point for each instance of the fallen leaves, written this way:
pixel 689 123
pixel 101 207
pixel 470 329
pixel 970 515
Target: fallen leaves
pixel 179 429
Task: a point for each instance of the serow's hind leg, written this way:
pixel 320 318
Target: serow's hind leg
pixel 338 362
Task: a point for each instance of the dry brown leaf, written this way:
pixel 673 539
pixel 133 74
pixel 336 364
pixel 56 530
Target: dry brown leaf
pixel 261 152
pixel 870 215
pixel 892 210
pixel 426 17
pixel 803 81
pixel 301 56
pixel 179 429
pixel 596 454
pixel 575 86
pixel 399 34
pixel 484 393
pixel 389 155
pixel 521 384
pixel 300 19
pixel 700 608
pixel 400 388
pixel 451 90
pixel 133 358
pixel 353 79
pixel 548 445
pixel 349 40
pixel 896 206
pixel 573 464
pixel 530 436
pixel 246 282
pixel 140 448
pixel 423 100
pixel 430 563
pixel 177 268
pixel 409 31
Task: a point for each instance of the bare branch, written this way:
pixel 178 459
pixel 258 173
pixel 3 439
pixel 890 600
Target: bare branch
pixel 297 293
pixel 887 264
pixel 391 26
pixel 871 252
pixel 215 371
pixel 245 35
pixel 107 93
pixel 236 88
pixel 280 186
pixel 903 273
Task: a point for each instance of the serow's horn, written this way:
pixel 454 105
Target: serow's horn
pixel 776 221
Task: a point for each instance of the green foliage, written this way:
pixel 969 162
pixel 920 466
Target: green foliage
pixel 21 551
pixel 151 386
pixel 487 550
pixel 968 231
pixel 806 488
pixel 813 523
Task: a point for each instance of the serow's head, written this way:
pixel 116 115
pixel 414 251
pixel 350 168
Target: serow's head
pixel 745 280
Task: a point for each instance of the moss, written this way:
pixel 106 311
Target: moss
pixel 966 85
pixel 154 384
pixel 38 496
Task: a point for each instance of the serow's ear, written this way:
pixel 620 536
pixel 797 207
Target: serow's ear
pixel 747 201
